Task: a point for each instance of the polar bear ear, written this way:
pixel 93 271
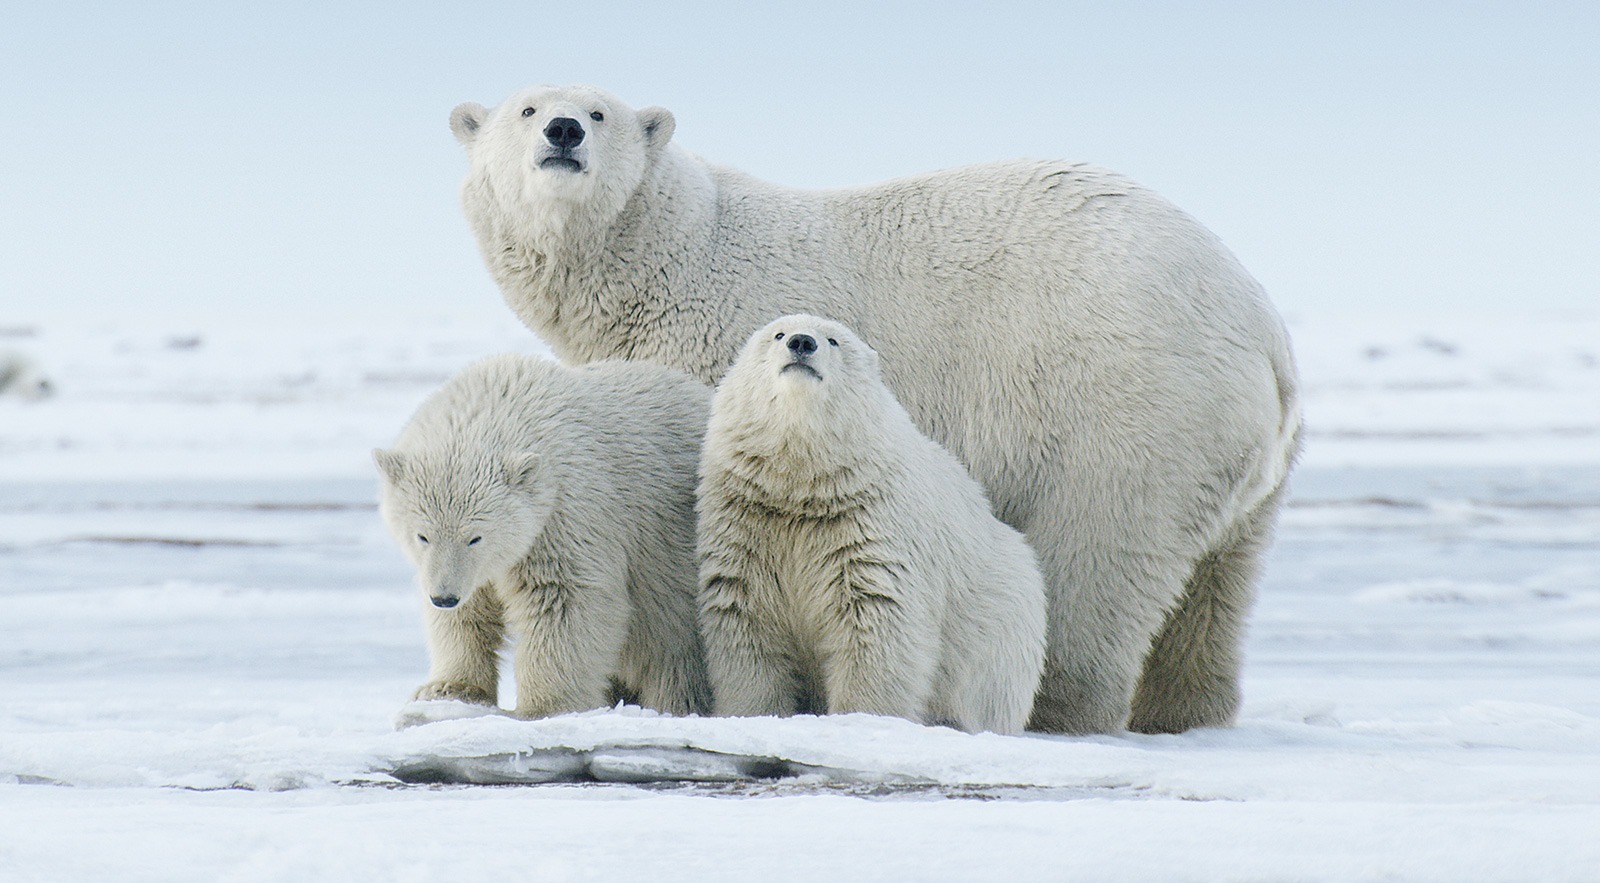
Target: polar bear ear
pixel 466 120
pixel 658 124
pixel 522 469
pixel 391 463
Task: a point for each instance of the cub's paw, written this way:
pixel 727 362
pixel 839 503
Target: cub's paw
pixel 443 702
pixel 453 690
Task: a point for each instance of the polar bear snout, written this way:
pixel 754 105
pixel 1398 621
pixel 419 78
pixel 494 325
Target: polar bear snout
pixel 445 601
pixel 564 148
pixel 801 348
pixel 564 133
pixel 802 345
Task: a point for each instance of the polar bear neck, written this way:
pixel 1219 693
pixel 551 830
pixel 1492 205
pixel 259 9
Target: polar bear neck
pixel 584 277
pixel 809 445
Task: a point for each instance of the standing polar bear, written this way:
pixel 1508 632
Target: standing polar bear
pixel 556 504
pixel 847 562
pixel 1098 360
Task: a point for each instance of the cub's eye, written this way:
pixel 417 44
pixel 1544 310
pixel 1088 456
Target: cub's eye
pixel 832 342
pixel 596 115
pixel 528 111
pixel 422 539
pixel 779 337
pixel 474 541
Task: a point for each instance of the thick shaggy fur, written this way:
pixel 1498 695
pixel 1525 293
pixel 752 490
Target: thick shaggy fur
pixel 1099 361
pixel 848 562
pixel 555 506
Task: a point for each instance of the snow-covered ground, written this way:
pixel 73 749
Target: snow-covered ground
pixel 205 639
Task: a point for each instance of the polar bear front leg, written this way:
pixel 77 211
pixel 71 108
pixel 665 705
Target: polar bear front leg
pixel 569 644
pixel 750 674
pixel 464 650
pixel 879 644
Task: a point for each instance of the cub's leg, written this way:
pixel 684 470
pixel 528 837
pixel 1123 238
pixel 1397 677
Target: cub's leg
pixel 879 647
pixel 569 637
pixel 464 650
pixel 751 674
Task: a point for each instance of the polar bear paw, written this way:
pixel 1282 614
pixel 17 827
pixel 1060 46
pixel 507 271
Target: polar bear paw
pixel 455 690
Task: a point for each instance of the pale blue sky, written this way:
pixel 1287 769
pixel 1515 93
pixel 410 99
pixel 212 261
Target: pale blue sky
pixel 177 157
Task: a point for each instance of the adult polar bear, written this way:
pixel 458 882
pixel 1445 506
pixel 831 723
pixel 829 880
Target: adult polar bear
pixel 1097 359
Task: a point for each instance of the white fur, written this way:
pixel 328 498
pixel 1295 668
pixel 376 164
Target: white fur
pixel 557 505
pixel 848 562
pixel 1099 361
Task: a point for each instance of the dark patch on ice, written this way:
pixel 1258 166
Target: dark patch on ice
pixel 185 542
pixel 1382 502
pixel 30 779
pixel 177 506
pixel 701 772
pixel 618 765
pixel 909 791
pixel 809 786
pixel 1442 347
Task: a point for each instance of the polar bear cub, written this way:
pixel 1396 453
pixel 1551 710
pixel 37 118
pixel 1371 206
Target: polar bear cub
pixel 847 562
pixel 554 506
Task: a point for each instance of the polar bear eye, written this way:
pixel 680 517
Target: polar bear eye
pixel 528 111
pixel 596 115
pixel 422 539
pixel 474 541
pixel 832 342
pixel 779 337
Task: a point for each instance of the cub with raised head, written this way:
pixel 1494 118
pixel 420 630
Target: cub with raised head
pixel 848 562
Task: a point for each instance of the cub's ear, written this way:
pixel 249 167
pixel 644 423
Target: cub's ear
pixel 658 124
pixel 391 463
pixel 522 469
pixel 465 121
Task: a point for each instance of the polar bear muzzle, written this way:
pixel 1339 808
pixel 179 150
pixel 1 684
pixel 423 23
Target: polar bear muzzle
pixel 564 133
pixel 801 347
pixel 565 136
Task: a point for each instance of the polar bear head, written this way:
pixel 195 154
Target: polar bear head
pixel 803 376
pixel 549 155
pixel 464 520
pixel 809 355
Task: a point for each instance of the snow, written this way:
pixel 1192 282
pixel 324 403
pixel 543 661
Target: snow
pixel 207 640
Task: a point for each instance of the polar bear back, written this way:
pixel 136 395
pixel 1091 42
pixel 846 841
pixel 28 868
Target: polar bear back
pixel 1081 290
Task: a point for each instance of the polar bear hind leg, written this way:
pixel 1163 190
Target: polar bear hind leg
pixel 1191 676
pixel 1106 601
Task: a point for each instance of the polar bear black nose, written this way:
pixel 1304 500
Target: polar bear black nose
pixel 802 344
pixel 564 132
pixel 445 601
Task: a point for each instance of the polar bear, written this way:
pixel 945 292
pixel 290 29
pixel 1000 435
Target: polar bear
pixel 847 561
pixel 1107 370
pixel 557 505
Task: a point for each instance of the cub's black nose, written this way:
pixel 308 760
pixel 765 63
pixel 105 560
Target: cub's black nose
pixel 445 601
pixel 802 344
pixel 564 132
